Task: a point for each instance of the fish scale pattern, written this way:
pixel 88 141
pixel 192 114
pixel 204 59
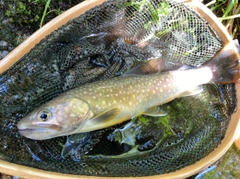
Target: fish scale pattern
pixel 107 41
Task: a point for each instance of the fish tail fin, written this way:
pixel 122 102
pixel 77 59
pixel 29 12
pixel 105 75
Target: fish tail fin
pixel 225 65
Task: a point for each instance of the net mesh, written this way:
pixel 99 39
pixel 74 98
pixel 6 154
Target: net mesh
pixel 107 41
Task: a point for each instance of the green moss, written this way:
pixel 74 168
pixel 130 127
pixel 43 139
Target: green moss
pixel 164 120
pixel 24 14
pixel 31 14
pixel 8 35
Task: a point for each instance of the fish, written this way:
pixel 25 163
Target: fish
pixel 108 102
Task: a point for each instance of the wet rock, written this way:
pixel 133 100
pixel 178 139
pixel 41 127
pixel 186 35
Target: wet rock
pixel 3 43
pixel 3 53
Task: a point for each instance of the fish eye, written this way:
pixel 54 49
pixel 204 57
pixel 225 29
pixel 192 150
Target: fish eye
pixel 44 115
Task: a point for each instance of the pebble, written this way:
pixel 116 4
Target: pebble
pixel 3 54
pixel 3 43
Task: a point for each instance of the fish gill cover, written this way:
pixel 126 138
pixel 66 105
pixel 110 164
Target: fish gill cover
pixel 107 41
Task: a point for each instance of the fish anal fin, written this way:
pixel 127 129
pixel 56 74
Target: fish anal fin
pixel 155 111
pixel 194 91
pixel 103 120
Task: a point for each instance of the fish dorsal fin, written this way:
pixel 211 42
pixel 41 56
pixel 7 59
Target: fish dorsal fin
pixel 194 91
pixel 103 120
pixel 149 67
pixel 157 65
pixel 155 111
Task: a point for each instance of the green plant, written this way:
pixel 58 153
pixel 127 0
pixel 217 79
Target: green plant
pixel 228 12
pixel 45 12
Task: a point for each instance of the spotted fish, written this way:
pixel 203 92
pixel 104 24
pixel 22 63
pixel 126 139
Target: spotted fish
pixel 108 102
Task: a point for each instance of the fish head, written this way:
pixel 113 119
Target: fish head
pixel 59 117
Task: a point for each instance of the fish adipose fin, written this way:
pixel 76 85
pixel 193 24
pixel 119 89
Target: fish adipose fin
pixel 102 120
pixel 225 65
pixel 155 111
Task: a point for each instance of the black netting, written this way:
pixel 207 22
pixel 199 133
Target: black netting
pixel 105 42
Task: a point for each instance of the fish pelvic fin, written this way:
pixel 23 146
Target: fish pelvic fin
pixel 103 120
pixel 155 112
pixel 225 65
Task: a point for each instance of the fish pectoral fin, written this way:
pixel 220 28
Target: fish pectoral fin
pixel 194 91
pixel 155 111
pixel 103 120
pixel 106 116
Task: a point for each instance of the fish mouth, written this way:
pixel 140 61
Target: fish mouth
pixel 27 131
pixel 40 133
pixel 36 134
pixel 40 127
